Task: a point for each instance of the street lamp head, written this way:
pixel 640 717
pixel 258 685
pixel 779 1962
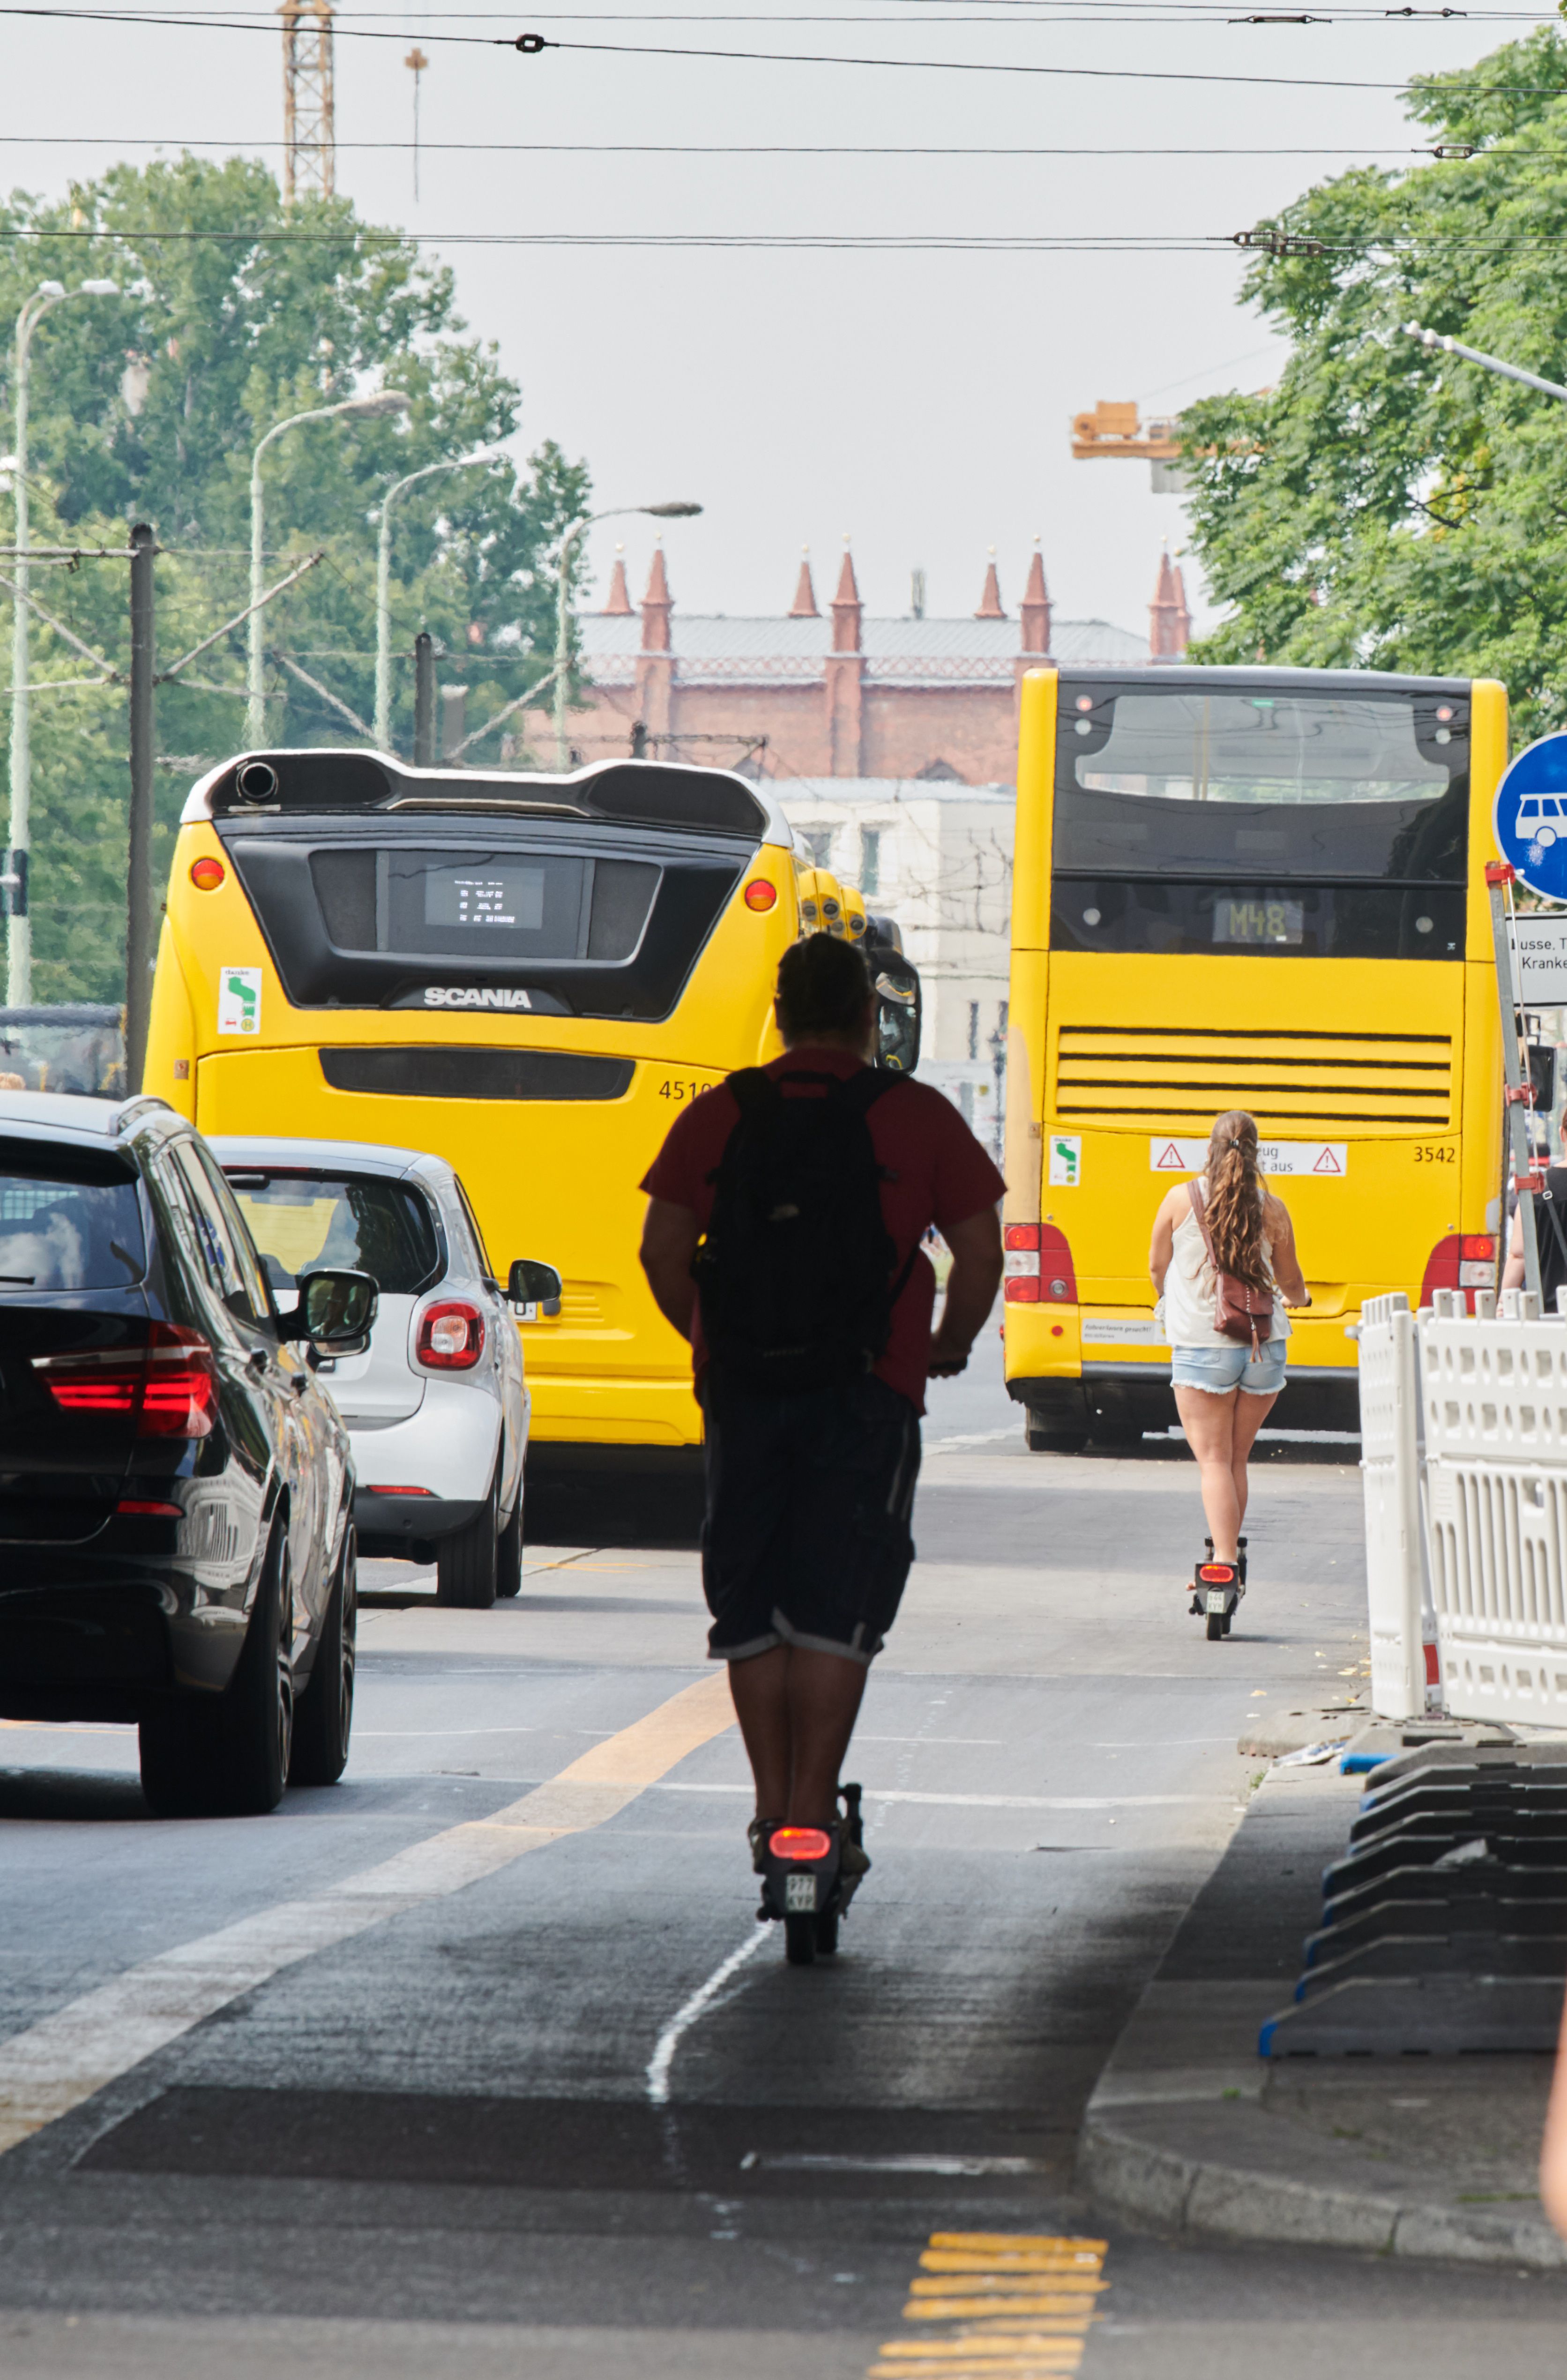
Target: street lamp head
pixel 98 289
pixel 390 400
pixel 50 289
pixel 671 512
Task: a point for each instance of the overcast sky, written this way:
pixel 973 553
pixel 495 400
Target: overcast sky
pixel 920 403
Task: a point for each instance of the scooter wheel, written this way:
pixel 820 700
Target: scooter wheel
pixel 799 1940
pixel 1215 1626
pixel 826 1937
pixel 1228 1617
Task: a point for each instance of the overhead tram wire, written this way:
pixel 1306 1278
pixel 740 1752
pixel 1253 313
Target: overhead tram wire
pixel 742 148
pixel 1297 244
pixel 533 45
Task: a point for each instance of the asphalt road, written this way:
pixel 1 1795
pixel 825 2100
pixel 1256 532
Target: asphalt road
pixel 478 2063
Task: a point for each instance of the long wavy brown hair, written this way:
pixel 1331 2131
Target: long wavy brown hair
pixel 1235 1215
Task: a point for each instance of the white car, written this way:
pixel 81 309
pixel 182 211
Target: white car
pixel 437 1407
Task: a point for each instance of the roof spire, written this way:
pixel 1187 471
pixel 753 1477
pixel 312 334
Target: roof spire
pixel 618 601
pixel 1035 608
pixel 1168 622
pixel 657 605
pixel 846 607
pixel 990 602
pixel 803 605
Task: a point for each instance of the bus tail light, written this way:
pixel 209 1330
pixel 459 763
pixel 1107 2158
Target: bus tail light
pixel 170 1384
pixel 451 1336
pixel 1039 1266
pixel 1464 1260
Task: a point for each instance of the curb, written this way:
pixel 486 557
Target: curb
pixel 1160 2188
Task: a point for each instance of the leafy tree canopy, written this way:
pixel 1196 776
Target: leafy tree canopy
pixel 148 406
pixel 1385 506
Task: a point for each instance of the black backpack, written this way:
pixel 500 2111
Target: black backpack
pixel 795 1270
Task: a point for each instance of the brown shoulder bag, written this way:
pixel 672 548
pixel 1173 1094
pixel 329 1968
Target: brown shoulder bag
pixel 1241 1313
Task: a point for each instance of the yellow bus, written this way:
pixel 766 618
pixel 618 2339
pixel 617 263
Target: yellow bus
pixel 1256 888
pixel 527 975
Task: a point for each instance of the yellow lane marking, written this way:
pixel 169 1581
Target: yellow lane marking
pixel 1010 2304
pixel 65 2059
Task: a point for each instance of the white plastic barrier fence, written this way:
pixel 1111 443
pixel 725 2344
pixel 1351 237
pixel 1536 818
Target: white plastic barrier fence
pixel 1493 1396
pixel 1396 1551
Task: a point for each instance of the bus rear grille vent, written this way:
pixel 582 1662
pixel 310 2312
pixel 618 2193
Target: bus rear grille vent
pixel 1165 1078
pixel 426 1073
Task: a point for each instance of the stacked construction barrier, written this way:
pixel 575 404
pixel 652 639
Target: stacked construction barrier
pixel 1397 1593
pixel 1463 1423
pixel 1493 1393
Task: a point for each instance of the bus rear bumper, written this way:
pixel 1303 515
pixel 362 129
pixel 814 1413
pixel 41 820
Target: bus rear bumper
pixel 1119 1398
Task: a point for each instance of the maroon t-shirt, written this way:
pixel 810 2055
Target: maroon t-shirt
pixel 937 1173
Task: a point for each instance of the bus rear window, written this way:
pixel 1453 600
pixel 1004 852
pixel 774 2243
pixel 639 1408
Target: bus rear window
pixel 301 1221
pixel 1328 787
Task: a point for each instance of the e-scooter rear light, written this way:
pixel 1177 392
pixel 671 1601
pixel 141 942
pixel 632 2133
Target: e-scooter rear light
pixel 451 1336
pixel 1464 1260
pixel 1037 1265
pixel 1217 1573
pixel 799 1844
pixel 170 1383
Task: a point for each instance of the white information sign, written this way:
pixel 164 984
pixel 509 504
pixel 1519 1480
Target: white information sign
pixel 1066 1159
pixel 239 999
pixel 1539 960
pixel 1327 1159
pixel 1123 1331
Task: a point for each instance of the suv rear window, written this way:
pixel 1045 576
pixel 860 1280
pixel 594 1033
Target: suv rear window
pixel 301 1221
pixel 69 1220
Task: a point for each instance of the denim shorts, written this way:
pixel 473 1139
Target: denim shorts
pixel 1219 1369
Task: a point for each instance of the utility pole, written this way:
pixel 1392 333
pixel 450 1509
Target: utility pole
pixel 416 62
pixel 140 938
pixel 562 602
pixel 309 140
pixel 384 591
pixel 424 700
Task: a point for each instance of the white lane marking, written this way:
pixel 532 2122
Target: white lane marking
pixel 680 2024
pixel 975 1438
pixel 756 2161
pixel 55 2064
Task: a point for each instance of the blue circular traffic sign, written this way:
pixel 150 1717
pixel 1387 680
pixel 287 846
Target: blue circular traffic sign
pixel 1530 817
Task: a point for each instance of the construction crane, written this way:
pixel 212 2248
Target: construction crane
pixel 308 138
pixel 1115 430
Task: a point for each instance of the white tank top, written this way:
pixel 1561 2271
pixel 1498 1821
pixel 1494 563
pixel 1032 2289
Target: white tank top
pixel 1191 1295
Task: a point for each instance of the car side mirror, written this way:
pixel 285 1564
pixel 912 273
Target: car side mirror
pixel 899 1006
pixel 532 1283
pixel 335 1311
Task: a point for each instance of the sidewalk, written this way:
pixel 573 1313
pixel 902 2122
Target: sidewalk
pixel 1190 2131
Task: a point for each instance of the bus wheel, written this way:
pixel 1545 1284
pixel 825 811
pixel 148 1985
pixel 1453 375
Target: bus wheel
pixel 466 1562
pixel 1041 1440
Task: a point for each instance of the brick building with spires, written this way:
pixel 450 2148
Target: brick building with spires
pixel 835 694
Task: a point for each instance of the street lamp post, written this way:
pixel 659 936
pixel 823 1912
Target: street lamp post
pixel 1432 339
pixel 19 938
pixel 363 408
pixel 562 602
pixel 383 593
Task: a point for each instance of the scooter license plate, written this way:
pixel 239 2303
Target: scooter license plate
pixel 1217 1599
pixel 799 1895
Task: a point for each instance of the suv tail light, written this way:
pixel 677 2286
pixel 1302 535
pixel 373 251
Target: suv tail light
pixel 170 1384
pixel 1463 1260
pixel 451 1336
pixel 1039 1266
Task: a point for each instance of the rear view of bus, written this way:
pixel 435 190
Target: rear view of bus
pixel 1257 889
pixel 530 976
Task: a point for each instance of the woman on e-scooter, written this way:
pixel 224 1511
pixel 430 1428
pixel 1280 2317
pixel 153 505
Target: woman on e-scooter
pixel 1224 1264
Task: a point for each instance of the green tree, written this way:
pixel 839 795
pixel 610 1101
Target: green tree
pixel 1384 507
pixel 148 406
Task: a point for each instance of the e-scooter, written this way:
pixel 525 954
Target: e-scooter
pixel 1217 1589
pixel 805 1884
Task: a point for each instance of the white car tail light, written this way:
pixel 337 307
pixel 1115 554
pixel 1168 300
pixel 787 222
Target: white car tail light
pixel 451 1336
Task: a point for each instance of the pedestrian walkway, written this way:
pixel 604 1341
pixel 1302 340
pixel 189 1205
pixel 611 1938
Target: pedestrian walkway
pixel 1191 2132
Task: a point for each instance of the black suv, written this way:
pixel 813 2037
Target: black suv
pixel 176 1541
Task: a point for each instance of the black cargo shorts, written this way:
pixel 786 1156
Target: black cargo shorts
pixel 808 1502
